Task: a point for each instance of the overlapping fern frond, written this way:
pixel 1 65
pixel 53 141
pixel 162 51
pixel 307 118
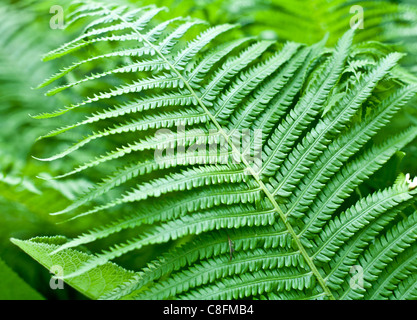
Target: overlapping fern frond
pixel 252 189
pixel 308 21
pixel 388 21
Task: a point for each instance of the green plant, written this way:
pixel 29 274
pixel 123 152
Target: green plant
pixel 308 21
pixel 283 215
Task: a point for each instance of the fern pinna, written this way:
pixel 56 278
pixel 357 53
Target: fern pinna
pixel 283 209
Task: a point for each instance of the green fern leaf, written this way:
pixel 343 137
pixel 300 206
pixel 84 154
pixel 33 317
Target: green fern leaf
pixel 174 108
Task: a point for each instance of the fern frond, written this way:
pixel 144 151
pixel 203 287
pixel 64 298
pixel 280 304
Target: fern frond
pixel 383 251
pixel 278 217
